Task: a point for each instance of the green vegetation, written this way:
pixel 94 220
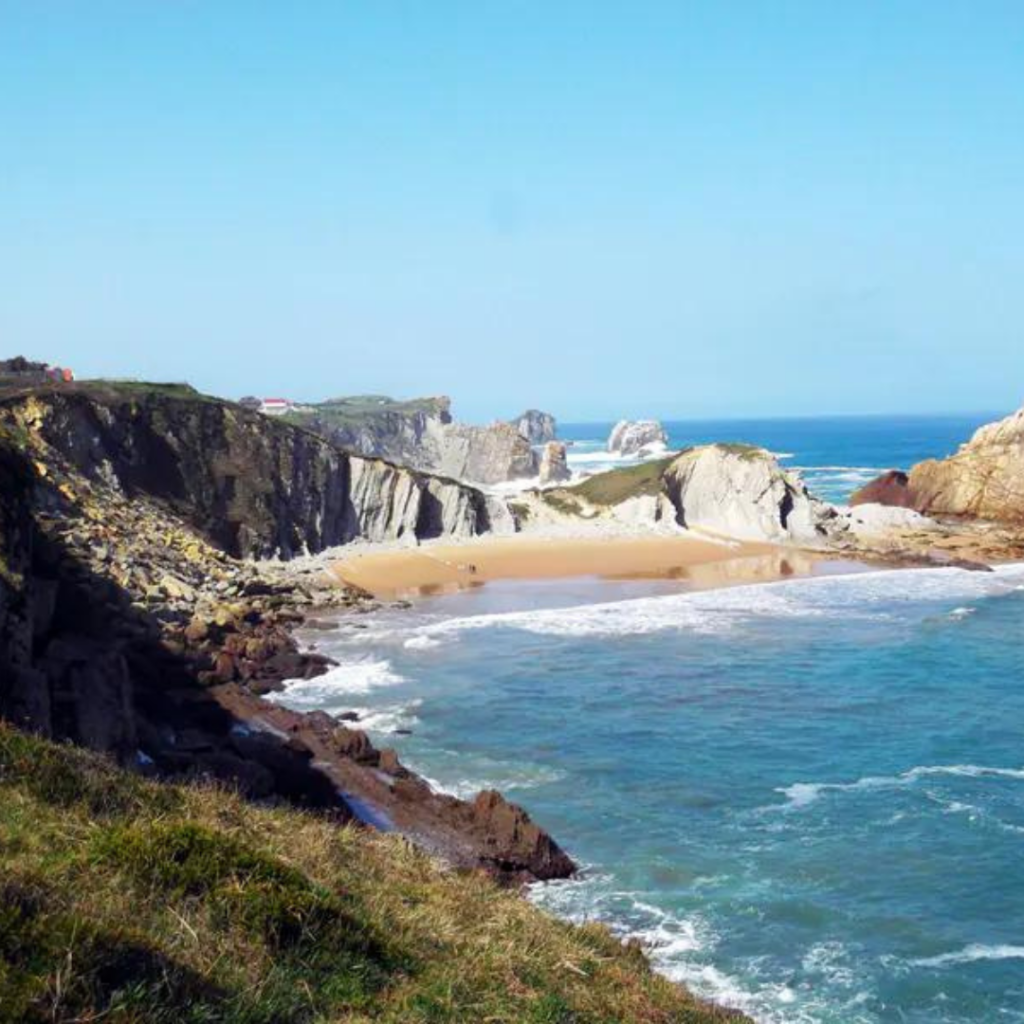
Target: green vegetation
pixel 132 902
pixel 619 484
pixel 748 452
pixel 520 510
pixel 562 501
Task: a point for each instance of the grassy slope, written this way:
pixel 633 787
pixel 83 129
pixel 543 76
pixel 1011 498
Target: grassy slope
pixel 141 902
pixel 609 488
pixel 618 485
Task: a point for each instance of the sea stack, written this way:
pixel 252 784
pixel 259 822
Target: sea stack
pixel 554 465
pixel 536 426
pixel 632 437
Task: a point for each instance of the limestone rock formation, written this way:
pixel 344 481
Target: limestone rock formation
pixel 421 435
pixel 554 465
pixel 983 480
pixel 536 426
pixel 742 492
pixel 485 455
pixel 631 437
pixel 408 433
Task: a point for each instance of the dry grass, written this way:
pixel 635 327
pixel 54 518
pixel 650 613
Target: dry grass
pixel 130 901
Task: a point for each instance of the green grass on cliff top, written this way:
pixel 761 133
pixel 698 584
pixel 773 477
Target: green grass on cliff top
pixel 613 486
pixel 130 901
pixel 357 409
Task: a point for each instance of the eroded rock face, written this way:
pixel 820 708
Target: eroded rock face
pixel 536 426
pixel 630 437
pixel 486 455
pixel 554 464
pixel 421 435
pixel 253 486
pixel 740 491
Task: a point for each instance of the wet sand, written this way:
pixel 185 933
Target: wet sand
pixel 447 568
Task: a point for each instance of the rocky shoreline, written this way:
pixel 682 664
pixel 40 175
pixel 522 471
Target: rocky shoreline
pixel 124 629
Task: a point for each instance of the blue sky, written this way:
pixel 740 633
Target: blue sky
pixel 675 209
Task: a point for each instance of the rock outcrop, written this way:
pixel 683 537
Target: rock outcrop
pixel 554 464
pixel 536 426
pixel 891 488
pixel 406 433
pixel 632 437
pixel 485 455
pixel 253 486
pixel 742 492
pixel 421 435
pixel 983 480
pixel 730 490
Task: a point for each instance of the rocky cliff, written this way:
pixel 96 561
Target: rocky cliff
pixel 983 480
pixel 406 433
pixel 253 486
pixel 421 435
pixel 127 626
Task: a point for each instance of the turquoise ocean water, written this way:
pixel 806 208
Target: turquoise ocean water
pixel 807 797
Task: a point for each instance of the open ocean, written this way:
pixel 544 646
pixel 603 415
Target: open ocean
pixel 807 797
pixel 835 454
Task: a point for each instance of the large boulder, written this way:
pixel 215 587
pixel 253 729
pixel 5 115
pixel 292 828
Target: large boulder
pixel 631 437
pixel 870 521
pixel 554 464
pixel 983 480
pixel 536 426
pixel 742 492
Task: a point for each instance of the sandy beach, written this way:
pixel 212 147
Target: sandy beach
pixel 442 568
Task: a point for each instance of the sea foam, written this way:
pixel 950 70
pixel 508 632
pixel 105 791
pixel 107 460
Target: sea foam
pixel 864 594
pixel 802 794
pixel 971 954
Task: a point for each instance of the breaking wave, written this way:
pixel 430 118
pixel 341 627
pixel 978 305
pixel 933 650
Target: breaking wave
pixel 803 794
